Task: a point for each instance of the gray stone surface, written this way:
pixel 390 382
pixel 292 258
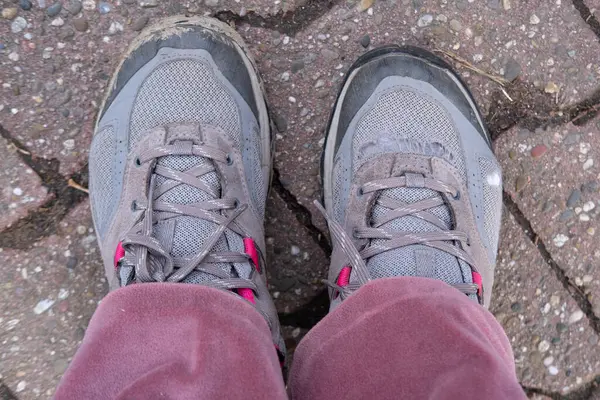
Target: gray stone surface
pixel 569 229
pixel 20 187
pixel 554 346
pixel 46 301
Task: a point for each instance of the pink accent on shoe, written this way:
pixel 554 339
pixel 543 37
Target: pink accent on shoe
pixel 247 294
pixel 479 282
pixel 250 249
pixel 119 253
pixel 344 277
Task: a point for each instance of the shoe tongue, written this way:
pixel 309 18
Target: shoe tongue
pixel 183 236
pixel 416 260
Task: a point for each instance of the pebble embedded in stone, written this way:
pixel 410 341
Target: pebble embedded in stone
pixel 538 151
pixel 104 8
pixel 139 23
pixel 548 361
pixel 512 70
pixel 280 122
pixel 211 3
pixel 295 250
pixel 18 191
pixel 329 55
pixel 148 3
pixel 566 215
pixel 574 198
pixel 455 25
pixel 42 306
pixel 9 13
pixel 365 41
pixel 560 240
pixel 534 19
pixel 588 164
pixel 54 9
pixel 521 182
pixel 551 88
pixel 115 27
pixel 424 20
pixel 588 206
pixel 552 370
pixel 18 25
pixel 543 346
pixel 25 4
pixel 80 24
pixel 88 5
pixel 74 7
pixel 57 22
pixel 14 56
pixel 576 317
pixel 69 144
pixel 21 386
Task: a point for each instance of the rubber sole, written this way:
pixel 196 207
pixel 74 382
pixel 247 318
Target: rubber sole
pixel 380 52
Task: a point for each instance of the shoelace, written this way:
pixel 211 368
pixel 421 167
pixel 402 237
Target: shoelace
pixel 151 262
pixel 394 240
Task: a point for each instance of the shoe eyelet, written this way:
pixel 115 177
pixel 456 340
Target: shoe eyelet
pixel 134 205
pixel 138 162
pixel 360 192
pixel 229 160
pixel 457 196
pixel 236 203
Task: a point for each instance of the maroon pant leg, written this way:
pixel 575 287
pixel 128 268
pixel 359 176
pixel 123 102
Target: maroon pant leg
pixel 406 338
pixel 167 341
pixel 395 338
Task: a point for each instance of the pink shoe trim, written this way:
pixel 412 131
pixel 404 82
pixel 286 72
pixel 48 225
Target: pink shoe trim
pixel 250 249
pixel 479 282
pixel 119 254
pixel 247 294
pixel 344 277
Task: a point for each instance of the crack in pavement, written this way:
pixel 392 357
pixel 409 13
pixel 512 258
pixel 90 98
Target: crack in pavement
pixel 587 16
pixel 290 22
pixel 43 221
pixel 585 392
pixel 531 109
pixel 6 393
pixel 302 214
pixel 576 292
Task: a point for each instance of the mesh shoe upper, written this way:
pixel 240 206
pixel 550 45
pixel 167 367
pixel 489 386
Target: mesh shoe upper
pixel 397 114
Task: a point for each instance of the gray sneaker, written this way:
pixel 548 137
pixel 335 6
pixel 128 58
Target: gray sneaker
pixel 180 164
pixel 411 185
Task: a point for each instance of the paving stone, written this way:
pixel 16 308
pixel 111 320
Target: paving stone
pixel 535 310
pixel 296 265
pixel 21 187
pixel 573 242
pixel 45 307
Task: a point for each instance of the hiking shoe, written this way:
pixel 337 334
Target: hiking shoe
pixel 411 185
pixel 180 164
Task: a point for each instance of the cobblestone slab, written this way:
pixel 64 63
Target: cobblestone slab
pixel 295 263
pixel 555 348
pixel 48 296
pixel 553 176
pixel 21 189
pixel 302 73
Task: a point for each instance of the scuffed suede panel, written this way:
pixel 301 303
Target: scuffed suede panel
pixel 412 338
pixel 174 341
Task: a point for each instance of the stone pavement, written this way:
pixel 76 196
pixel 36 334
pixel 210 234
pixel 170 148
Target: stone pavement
pixel 533 66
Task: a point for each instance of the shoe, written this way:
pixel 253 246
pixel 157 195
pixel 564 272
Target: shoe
pixel 411 185
pixel 180 164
